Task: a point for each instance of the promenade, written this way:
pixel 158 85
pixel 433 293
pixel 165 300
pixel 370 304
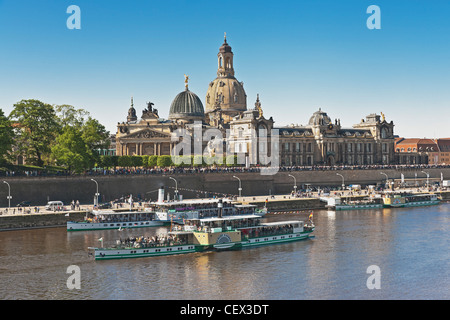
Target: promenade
pixel 38 216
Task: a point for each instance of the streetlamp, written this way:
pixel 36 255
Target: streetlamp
pixel 343 182
pixel 428 177
pixel 176 187
pixel 295 183
pixel 240 187
pixel 9 195
pixel 96 194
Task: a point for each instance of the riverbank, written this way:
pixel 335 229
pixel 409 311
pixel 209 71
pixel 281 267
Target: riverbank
pixel 288 203
pixel 39 190
pixel 46 219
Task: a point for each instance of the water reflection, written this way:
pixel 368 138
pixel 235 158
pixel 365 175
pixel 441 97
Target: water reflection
pixel 409 245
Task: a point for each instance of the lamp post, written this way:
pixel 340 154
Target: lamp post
pixel 176 187
pixel 428 177
pixel 240 187
pixel 96 194
pixel 343 181
pixel 9 195
pixel 295 183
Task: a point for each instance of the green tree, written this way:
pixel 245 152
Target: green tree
pixel 70 150
pixel 145 161
pixel 152 161
pixel 93 132
pixel 125 161
pixel 106 161
pixel 95 137
pixel 69 116
pixel 6 136
pixel 164 161
pixel 136 161
pixel 37 128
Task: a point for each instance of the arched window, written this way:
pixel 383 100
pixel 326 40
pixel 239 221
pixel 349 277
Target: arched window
pixel 228 63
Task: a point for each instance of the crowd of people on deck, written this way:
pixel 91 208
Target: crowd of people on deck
pixel 159 240
pixel 265 231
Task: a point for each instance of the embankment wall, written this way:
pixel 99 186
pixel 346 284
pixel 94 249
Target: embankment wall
pixel 39 190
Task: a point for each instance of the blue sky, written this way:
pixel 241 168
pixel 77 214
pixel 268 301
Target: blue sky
pixel 298 55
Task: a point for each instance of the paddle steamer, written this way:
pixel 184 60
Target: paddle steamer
pixel 209 234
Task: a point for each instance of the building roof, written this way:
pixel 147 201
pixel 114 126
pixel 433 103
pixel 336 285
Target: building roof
pixel 319 118
pixel 186 105
pixel 420 144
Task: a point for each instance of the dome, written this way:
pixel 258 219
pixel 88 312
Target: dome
pixel 319 118
pixel 229 92
pixel 186 106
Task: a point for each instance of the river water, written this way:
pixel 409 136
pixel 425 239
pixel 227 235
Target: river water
pixel 409 245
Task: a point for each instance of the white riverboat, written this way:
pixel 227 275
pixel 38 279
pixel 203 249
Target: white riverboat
pixel 338 203
pixel 208 234
pixel 108 219
pixel 163 212
pixel 178 211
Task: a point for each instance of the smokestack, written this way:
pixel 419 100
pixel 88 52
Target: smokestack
pixel 220 206
pixel 161 195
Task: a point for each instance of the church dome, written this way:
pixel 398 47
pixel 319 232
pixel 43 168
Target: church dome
pixel 319 118
pixel 229 93
pixel 186 106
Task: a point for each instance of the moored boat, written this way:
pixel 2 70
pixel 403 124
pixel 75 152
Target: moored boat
pixel 410 200
pixel 104 220
pixel 177 211
pixel 209 234
pixel 338 203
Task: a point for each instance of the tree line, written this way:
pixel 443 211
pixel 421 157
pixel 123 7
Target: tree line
pixel 107 161
pixel 69 139
pixel 51 135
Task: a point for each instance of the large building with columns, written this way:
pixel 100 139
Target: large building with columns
pixel 321 142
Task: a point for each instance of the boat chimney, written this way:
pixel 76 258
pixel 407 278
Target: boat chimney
pixel 161 195
pixel 220 206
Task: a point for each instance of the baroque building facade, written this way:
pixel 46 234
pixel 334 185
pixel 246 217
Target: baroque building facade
pixel 321 142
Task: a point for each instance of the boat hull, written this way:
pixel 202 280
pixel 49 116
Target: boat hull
pixel 358 207
pixel 413 204
pixel 85 226
pixel 126 253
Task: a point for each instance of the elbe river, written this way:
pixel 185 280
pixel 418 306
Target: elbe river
pixel 410 246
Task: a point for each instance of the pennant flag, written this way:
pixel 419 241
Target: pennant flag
pixel 101 239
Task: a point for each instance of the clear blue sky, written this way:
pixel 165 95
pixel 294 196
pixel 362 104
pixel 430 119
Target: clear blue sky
pixel 298 55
